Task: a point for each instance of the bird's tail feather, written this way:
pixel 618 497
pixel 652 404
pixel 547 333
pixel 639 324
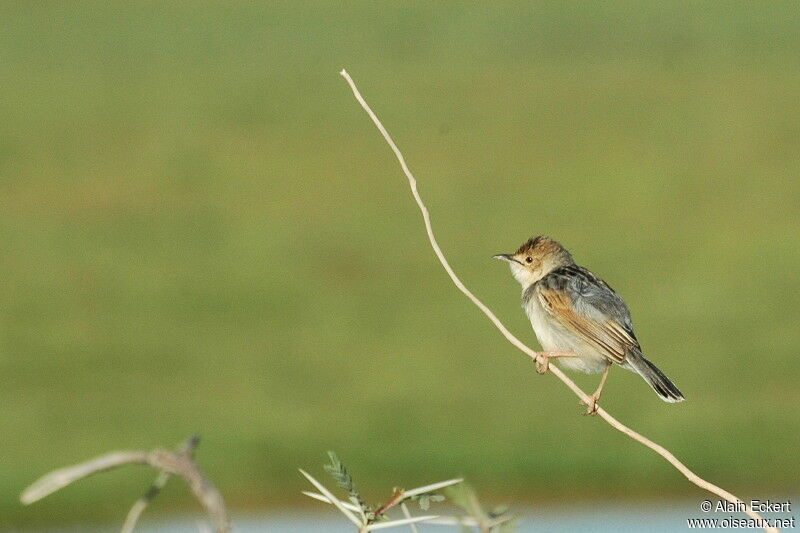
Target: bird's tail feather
pixel 665 388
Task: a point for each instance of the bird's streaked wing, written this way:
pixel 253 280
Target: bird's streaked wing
pixel 587 306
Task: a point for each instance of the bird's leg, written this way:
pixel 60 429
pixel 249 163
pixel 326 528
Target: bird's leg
pixel 543 360
pixel 592 405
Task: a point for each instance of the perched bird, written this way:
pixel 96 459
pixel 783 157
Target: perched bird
pixel 578 318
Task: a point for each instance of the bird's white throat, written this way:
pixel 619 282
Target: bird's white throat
pixel 524 276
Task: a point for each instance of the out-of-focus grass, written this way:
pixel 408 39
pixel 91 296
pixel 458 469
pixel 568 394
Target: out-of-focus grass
pixel 201 231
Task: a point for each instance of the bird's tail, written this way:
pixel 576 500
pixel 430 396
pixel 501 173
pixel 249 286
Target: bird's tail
pixel 665 388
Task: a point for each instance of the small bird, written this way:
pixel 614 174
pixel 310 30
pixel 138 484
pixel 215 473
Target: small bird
pixel 578 318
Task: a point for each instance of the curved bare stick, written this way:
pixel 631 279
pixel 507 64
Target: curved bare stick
pixel 141 504
pixel 166 462
pixel 666 454
pixel 58 479
pixel 202 488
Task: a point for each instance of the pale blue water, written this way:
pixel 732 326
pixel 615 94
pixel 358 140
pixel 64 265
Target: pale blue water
pixel 599 517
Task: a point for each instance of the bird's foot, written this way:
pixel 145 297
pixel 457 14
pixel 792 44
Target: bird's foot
pixel 543 360
pixel 592 405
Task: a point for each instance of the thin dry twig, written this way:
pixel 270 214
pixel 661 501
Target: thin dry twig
pixel 178 463
pixel 141 504
pixel 407 514
pixel 666 454
pixel 58 479
pixel 368 521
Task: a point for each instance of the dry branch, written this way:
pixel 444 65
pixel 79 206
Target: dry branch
pixel 361 514
pixel 141 504
pixel 666 454
pixel 180 463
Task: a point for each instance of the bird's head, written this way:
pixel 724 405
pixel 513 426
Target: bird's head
pixel 537 257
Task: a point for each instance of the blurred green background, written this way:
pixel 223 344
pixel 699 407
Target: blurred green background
pixel 202 232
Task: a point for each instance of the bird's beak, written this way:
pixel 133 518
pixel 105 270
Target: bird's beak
pixel 504 257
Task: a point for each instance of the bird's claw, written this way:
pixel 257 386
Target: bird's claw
pixel 591 406
pixel 542 364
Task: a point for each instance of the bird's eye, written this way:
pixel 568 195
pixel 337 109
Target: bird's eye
pixel 529 259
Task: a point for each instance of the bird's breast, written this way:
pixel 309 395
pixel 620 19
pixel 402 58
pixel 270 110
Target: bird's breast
pixel 552 336
pixel 549 333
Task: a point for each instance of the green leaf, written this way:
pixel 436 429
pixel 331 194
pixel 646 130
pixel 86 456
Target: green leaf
pixel 463 495
pixel 342 477
pixel 500 510
pixel 425 500
pixel 508 527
